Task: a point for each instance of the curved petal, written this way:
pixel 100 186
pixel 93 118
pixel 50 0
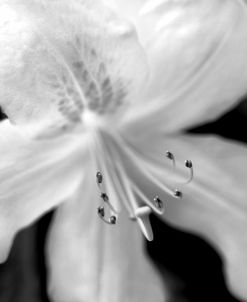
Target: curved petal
pixel 126 8
pixel 197 56
pixel 214 203
pixel 34 177
pixel 93 261
pixel 59 57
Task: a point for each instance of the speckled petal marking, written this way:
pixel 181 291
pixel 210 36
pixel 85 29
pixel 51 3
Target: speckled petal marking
pixel 73 57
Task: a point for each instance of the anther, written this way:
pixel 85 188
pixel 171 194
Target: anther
pixel 111 220
pixel 99 178
pixel 101 211
pixel 170 156
pixel 188 164
pixel 158 203
pixel 178 194
pixel 105 197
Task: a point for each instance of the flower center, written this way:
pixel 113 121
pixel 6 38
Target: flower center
pixel 120 181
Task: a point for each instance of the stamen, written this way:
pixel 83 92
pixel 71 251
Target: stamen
pixel 188 164
pixel 123 186
pixel 111 220
pixel 158 203
pixel 101 210
pixel 170 156
pixel 135 161
pixel 139 165
pixel 133 193
pixel 99 178
pixel 105 197
pixel 149 203
pixel 177 193
pixel 150 177
pixel 101 147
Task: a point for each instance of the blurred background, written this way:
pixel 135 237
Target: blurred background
pixel 190 266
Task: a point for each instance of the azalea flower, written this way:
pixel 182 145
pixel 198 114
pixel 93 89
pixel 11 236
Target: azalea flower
pixel 98 97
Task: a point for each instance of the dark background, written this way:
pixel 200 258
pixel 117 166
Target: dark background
pixel 192 268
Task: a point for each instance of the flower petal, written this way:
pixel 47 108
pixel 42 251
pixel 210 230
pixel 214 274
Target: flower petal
pixel 58 57
pixel 214 204
pixel 197 55
pixel 34 177
pixel 93 261
pixel 126 8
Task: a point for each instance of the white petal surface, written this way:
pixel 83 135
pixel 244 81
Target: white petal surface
pixel 196 50
pixel 95 262
pixel 58 57
pixel 126 8
pixel 214 204
pixel 34 177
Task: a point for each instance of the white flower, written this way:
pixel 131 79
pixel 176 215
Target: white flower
pixel 87 89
